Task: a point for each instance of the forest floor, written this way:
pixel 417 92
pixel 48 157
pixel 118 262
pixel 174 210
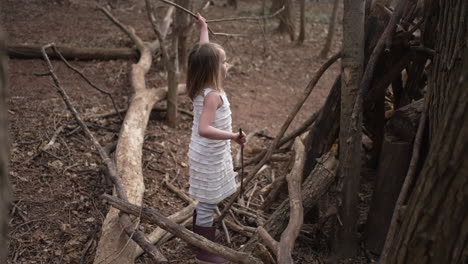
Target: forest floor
pixel 57 213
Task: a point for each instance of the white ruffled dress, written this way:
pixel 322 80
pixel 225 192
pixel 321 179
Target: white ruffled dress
pixel 210 161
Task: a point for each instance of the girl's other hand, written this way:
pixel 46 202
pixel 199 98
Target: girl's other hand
pixel 240 138
pixel 201 22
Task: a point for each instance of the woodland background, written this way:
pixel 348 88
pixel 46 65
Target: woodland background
pixel 57 212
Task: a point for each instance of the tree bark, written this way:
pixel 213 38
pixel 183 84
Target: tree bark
pixel 114 245
pixel 313 188
pixel 325 130
pixel 434 226
pixel 331 30
pixel 391 173
pixel 5 191
pixel 345 243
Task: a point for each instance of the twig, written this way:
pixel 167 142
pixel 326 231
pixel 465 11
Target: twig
pixel 87 80
pixel 186 11
pixel 246 18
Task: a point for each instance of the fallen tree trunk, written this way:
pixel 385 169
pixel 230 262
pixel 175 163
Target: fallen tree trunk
pixel 314 187
pixel 155 217
pixel 114 246
pixel 34 52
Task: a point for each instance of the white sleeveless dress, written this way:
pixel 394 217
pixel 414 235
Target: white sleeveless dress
pixel 210 161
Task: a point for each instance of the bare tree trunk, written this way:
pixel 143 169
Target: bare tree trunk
pixel 173 82
pixel 331 30
pixel 345 244
pixel 183 24
pixel 286 25
pixel 4 181
pixel 301 37
pixel 434 225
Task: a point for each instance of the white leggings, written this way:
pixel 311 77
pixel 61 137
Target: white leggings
pixel 205 213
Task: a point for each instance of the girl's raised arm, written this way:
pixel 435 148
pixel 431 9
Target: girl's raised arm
pixel 203 27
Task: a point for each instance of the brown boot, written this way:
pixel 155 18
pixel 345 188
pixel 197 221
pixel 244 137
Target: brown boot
pixel 204 256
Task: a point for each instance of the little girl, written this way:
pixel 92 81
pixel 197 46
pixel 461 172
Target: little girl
pixel 210 161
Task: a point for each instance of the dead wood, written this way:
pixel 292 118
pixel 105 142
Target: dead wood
pixel 128 226
pixel 34 52
pixel 152 216
pixel 374 57
pixel 325 129
pixel 128 158
pixel 296 215
pixel 264 254
pixel 284 127
pixel 404 121
pixel 274 191
pixel 315 185
pixel 392 168
pixel 255 18
pixel 159 233
pixel 5 187
pixel 271 243
pixel 406 185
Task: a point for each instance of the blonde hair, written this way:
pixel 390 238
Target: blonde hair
pixel 203 69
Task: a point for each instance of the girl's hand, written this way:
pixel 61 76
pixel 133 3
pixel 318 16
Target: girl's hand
pixel 240 138
pixel 203 28
pixel 201 22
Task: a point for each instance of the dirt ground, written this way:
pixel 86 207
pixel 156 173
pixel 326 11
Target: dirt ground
pixel 57 212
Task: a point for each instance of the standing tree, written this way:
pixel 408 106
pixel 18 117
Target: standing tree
pixel 183 25
pixel 434 224
pixel 286 25
pixel 301 37
pixel 331 30
pixel 4 182
pixel 345 244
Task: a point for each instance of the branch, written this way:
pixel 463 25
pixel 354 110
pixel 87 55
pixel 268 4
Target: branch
pixel 296 216
pixel 246 18
pixel 154 217
pixel 126 29
pixel 372 63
